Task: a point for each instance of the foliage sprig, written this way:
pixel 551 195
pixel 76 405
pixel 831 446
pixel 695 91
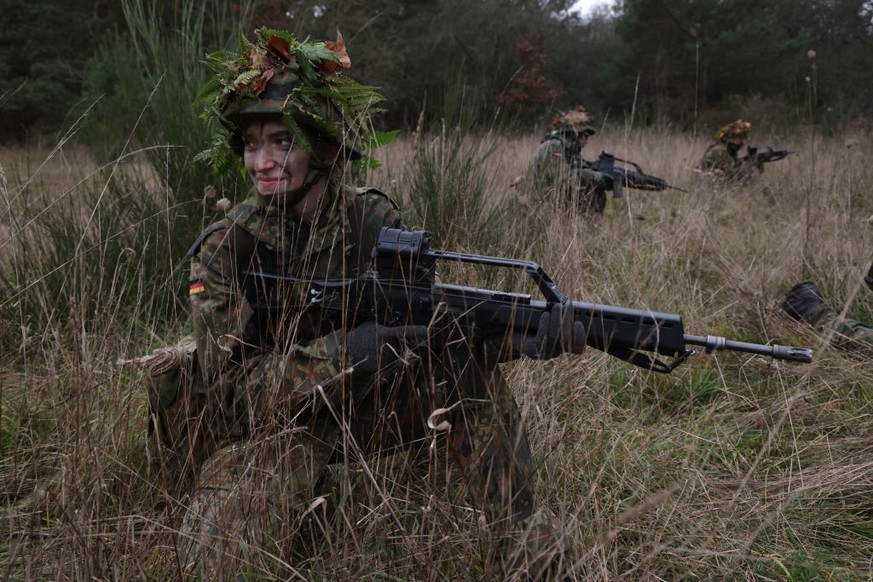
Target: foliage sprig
pixel 323 90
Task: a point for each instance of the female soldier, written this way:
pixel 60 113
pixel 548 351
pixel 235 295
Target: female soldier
pixel 290 388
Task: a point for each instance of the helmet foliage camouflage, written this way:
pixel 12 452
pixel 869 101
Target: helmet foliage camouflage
pixel 736 132
pixel 297 80
pixel 577 121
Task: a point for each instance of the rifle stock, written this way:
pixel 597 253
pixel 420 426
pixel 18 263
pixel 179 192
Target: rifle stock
pixel 400 290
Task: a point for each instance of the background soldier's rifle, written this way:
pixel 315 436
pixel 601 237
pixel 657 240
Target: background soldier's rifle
pixel 400 290
pixel 616 178
pixel 759 158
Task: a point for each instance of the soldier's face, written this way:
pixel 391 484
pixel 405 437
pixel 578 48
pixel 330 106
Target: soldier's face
pixel 275 163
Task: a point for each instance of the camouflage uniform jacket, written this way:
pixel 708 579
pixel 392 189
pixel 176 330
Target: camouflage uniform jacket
pixel 255 333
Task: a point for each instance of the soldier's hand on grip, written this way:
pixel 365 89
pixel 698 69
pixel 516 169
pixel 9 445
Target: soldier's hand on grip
pixel 557 332
pixel 370 346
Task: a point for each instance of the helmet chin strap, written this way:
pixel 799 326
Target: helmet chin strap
pixel 292 197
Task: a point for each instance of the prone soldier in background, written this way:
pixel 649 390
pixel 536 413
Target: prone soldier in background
pixel 804 303
pixel 289 389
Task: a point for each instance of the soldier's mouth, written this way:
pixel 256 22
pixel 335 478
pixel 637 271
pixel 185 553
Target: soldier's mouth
pixel 269 184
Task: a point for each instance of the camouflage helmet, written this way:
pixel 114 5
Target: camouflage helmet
pixel 577 121
pixel 736 132
pixel 269 99
pixel 297 80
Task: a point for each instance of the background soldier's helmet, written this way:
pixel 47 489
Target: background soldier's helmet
pixel 301 83
pixel 736 132
pixel 576 121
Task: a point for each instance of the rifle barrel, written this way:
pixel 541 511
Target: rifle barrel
pixel 788 353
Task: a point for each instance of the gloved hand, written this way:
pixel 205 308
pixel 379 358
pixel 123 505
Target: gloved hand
pixel 371 346
pixel 556 333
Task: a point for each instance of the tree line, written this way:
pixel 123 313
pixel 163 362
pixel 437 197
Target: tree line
pixel 686 64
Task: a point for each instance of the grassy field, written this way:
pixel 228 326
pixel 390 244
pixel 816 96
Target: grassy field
pixel 733 467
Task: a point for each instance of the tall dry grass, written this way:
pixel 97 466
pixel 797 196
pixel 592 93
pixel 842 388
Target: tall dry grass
pixel 733 467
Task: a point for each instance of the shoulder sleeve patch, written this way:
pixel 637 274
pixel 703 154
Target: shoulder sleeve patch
pixel 196 287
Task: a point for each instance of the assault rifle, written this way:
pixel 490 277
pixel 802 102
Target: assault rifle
pixel 617 177
pixel 766 156
pixel 400 290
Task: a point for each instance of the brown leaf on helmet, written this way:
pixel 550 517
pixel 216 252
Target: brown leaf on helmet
pixel 266 75
pixel 339 47
pixel 278 47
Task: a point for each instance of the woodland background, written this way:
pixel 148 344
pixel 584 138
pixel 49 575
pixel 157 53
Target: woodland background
pixel 690 65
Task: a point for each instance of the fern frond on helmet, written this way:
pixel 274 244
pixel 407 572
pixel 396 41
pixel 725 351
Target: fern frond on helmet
pixel 299 81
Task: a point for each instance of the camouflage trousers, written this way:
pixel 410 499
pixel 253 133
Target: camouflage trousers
pixel 850 334
pixel 254 498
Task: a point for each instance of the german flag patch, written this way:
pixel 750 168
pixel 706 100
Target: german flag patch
pixel 196 287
